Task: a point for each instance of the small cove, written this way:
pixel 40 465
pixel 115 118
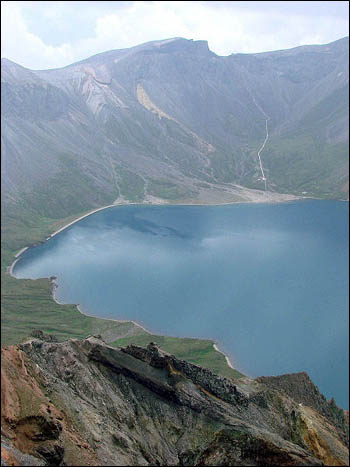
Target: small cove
pixel 268 282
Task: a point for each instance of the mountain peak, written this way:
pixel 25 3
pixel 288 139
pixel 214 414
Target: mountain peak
pixel 181 44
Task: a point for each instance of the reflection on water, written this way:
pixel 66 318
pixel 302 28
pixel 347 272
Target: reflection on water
pixel 268 282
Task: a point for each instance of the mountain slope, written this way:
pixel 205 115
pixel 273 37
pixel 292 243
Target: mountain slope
pixel 172 120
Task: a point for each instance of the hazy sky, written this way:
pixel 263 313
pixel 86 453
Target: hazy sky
pixel 52 34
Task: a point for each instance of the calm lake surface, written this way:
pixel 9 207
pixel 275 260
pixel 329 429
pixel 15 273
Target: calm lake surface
pixel 268 282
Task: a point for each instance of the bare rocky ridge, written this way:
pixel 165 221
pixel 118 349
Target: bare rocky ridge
pixel 300 387
pixel 86 403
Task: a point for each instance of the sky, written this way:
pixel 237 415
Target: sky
pixel 52 34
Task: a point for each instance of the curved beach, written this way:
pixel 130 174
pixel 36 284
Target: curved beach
pixel 226 357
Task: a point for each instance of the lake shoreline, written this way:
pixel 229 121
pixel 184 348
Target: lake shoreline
pixel 226 357
pixel 54 287
pixel 78 306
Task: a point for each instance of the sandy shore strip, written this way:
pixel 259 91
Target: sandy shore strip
pixel 10 268
pixel 79 219
pixel 54 288
pixel 227 359
pixel 21 251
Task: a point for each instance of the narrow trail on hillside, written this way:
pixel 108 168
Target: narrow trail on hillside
pixel 267 118
pixel 259 152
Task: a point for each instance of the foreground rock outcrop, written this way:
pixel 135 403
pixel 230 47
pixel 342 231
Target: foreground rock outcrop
pixel 86 403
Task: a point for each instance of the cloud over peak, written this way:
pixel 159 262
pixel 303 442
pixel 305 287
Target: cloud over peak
pixel 42 35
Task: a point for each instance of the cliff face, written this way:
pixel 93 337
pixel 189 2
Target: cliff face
pixel 85 403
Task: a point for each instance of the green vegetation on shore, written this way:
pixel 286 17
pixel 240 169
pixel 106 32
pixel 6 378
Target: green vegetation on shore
pixel 27 304
pixel 168 190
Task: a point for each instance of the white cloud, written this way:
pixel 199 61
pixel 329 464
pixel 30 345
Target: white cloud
pixel 228 29
pixel 24 47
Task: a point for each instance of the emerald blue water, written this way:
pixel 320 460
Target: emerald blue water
pixel 268 282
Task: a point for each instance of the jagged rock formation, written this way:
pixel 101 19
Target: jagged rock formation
pixel 86 403
pixel 300 387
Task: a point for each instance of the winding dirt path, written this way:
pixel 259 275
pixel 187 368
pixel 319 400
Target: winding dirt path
pixel 259 152
pixel 266 137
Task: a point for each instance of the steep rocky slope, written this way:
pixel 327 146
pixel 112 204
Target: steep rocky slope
pixel 85 403
pixel 171 120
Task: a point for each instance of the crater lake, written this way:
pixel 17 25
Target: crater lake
pixel 267 282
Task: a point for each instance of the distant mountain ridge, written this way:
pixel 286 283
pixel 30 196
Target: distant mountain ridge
pixel 171 120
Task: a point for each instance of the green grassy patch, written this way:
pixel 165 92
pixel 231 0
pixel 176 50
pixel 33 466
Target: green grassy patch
pixel 303 165
pixel 69 191
pixel 131 185
pixel 168 190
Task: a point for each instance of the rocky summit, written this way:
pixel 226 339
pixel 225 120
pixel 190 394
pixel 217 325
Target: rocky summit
pixel 82 402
